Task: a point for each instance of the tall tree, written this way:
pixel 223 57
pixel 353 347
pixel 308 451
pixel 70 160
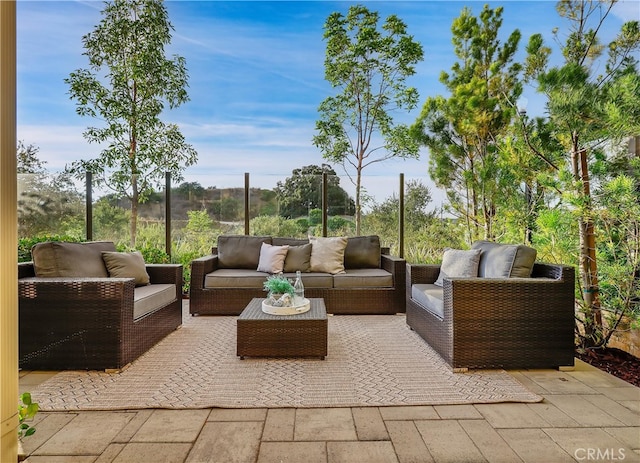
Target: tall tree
pixel 587 102
pixel 303 191
pixel 128 84
pixel 462 130
pixel 369 64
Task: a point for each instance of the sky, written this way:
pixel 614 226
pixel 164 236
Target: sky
pixel 256 79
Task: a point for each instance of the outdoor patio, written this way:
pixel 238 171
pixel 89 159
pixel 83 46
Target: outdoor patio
pixel 586 415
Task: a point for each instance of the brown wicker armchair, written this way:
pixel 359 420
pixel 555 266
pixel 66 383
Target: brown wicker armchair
pixel 499 323
pixel 88 323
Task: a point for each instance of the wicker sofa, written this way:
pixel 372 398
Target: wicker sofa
pixel 224 282
pixel 500 322
pixel 74 316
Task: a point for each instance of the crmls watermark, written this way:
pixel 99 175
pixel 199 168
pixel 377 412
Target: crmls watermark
pixel 597 454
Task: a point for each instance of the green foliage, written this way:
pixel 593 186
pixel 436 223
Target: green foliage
pixel 275 226
pixel 109 221
pixel 27 410
pixel 25 244
pixel 368 63
pixel 303 191
pixel 128 45
pixel 278 284
pixel 315 217
pixel 461 130
pixel 591 103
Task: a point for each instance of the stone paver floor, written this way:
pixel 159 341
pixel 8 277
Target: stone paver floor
pixel 586 416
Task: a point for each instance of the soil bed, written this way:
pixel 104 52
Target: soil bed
pixel 614 361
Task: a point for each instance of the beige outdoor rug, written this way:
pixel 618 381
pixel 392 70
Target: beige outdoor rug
pixel 373 360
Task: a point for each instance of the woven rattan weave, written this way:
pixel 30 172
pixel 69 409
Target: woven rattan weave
pixel 352 301
pixel 87 323
pixel 499 323
pixel 265 335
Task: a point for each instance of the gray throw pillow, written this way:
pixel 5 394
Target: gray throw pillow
pixel 298 258
pixel 505 260
pixel 458 263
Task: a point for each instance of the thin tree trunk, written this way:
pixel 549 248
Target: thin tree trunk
pixel 358 205
pixel 134 212
pixel 588 262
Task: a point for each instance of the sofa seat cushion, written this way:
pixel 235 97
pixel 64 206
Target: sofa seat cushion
pixel 235 278
pixel 314 279
pixel 363 278
pixel 430 297
pixel 148 299
pixel 504 260
pixel 54 259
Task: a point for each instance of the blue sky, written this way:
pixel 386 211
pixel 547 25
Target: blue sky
pixel 256 79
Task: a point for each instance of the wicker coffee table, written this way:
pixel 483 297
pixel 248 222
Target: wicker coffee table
pixel 265 335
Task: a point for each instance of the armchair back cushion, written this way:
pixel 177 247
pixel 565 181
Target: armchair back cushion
pixel 504 260
pixel 59 260
pixel 240 251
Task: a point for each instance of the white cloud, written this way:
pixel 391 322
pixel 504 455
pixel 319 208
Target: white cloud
pixel 627 10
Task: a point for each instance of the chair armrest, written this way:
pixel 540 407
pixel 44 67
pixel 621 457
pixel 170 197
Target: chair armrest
pixel 108 298
pixel 422 274
pixel 166 273
pixel 26 270
pixel 199 269
pixel 394 265
pixel 510 297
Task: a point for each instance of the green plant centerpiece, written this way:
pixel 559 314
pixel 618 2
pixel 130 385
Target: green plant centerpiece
pixel 280 291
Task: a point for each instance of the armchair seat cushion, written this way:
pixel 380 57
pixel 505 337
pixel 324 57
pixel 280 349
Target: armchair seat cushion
pixel 363 278
pixel 430 297
pixel 148 299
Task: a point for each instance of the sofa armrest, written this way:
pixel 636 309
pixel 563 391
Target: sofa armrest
pixel 166 273
pixel 394 265
pixel 199 269
pixel 26 270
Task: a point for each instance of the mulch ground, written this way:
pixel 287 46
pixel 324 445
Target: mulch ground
pixel 614 361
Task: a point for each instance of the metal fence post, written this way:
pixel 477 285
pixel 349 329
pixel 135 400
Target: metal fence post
pixel 88 206
pixel 246 203
pixel 401 219
pixel 167 212
pixel 325 200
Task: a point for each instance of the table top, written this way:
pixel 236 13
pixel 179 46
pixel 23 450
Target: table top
pixel 253 311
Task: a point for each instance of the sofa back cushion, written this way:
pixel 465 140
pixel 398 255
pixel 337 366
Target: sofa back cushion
pixel 54 259
pixel 277 241
pixel 504 260
pixel 362 252
pixel 240 251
